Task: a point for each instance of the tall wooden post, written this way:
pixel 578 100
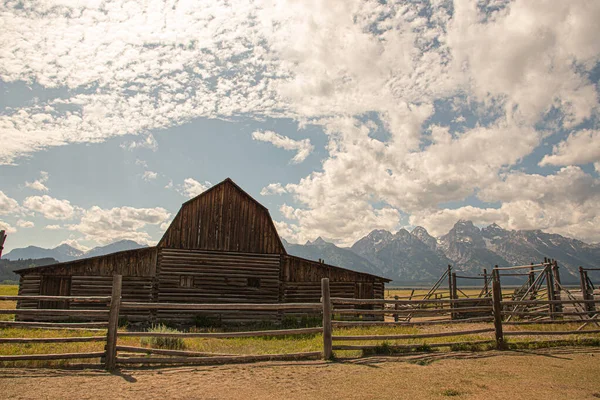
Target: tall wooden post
pixel 557 286
pixel 497 307
pixel 450 280
pixel 326 299
pixel 585 293
pixel 453 295
pixel 2 239
pixel 549 289
pixel 531 282
pixel 486 288
pixel 396 308
pixel 495 271
pixel 113 323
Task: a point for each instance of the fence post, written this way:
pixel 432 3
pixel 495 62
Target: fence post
pixel 486 289
pixel 583 283
pixel 326 299
pixel 496 299
pixel 113 323
pixel 395 308
pixel 557 286
pixel 453 295
pixel 450 282
pixel 550 289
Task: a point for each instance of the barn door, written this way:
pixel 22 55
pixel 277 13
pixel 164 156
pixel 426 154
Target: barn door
pixel 55 286
pixel 364 290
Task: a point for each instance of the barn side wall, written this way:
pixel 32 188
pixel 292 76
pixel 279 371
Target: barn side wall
pixel 191 276
pixel 93 277
pixel 224 218
pixel 302 282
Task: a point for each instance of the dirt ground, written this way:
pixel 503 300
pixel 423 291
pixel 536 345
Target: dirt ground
pixel 572 373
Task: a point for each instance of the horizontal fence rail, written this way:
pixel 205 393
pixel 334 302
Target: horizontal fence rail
pixel 494 315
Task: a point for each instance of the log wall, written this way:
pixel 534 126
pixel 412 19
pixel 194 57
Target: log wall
pixel 224 218
pixel 193 276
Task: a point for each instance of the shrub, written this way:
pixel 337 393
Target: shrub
pixel 171 343
pixel 451 392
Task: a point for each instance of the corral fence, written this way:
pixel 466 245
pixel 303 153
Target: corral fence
pixel 496 318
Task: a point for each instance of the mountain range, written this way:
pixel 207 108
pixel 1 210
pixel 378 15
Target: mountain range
pixel 417 256
pixel 64 252
pixel 408 257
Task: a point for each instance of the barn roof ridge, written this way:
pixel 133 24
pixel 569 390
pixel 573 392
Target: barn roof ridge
pixel 224 181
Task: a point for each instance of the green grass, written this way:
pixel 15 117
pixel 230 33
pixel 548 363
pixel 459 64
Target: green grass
pixel 8 290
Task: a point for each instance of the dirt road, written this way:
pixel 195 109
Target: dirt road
pixel 550 374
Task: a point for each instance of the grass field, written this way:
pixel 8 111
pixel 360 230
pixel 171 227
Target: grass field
pixel 276 344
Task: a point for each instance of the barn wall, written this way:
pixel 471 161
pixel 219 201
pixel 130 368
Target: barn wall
pixel 192 276
pixel 224 218
pixel 302 281
pixel 29 285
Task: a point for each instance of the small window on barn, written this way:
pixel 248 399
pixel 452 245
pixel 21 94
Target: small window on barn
pixel 254 282
pixel 186 281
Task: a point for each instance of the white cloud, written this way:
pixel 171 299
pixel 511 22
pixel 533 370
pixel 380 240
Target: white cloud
pixel 53 227
pixel 566 203
pixel 273 188
pixel 109 225
pixel 8 206
pixel 581 147
pixel 149 175
pixel 302 147
pixel 351 67
pixel 169 185
pixel 5 226
pixel 147 143
pixel 192 188
pixel 39 184
pixel 75 244
pixel 50 207
pixel 25 224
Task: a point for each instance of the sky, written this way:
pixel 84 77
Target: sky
pixel 339 116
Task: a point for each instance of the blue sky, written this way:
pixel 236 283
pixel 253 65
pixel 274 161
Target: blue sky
pixel 341 118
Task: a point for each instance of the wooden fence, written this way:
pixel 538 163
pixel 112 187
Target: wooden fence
pixel 497 311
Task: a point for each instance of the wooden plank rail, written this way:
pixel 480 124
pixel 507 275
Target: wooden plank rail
pixel 218 360
pixel 219 307
pixel 222 335
pixel 520 267
pixel 549 333
pixel 54 340
pixel 547 321
pixel 412 311
pixel 91 299
pixel 341 300
pixel 542 302
pixel 147 350
pixel 412 323
pixel 64 356
pixel 416 336
pixel 409 346
pixel 55 311
pixel 55 325
pixel 546 314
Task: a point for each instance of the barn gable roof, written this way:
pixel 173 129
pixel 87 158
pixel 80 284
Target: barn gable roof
pixel 224 218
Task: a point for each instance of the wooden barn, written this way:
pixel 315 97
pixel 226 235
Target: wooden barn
pixel 222 247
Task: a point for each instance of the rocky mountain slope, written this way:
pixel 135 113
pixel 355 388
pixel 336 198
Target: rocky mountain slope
pixel 418 256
